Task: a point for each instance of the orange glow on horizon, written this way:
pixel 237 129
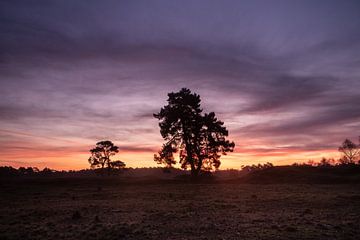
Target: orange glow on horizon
pixel 72 153
pixel 78 160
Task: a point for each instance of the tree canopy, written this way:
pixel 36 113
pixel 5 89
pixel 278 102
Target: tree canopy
pixel 200 139
pixel 101 153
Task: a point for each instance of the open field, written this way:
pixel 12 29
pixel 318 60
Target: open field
pixel 114 209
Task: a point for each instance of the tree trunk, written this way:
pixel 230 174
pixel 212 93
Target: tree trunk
pixel 108 166
pixel 194 174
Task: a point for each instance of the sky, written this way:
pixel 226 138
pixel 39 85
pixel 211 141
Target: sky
pixel 284 76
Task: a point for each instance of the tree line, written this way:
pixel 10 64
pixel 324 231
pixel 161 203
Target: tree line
pixel 199 139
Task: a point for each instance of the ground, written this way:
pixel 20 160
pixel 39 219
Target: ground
pixel 96 209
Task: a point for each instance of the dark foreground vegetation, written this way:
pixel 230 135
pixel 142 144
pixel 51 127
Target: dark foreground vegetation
pixel 118 208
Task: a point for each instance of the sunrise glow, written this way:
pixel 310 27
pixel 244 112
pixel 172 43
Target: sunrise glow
pixel 77 73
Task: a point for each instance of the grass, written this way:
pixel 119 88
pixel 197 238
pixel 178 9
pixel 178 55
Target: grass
pixel 116 209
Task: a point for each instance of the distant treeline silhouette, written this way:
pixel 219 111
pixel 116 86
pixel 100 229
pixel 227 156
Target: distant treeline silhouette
pixel 263 173
pixel 200 139
pixel 45 172
pixel 304 173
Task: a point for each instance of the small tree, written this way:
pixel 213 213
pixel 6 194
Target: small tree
pixel 350 151
pixel 100 156
pixel 200 139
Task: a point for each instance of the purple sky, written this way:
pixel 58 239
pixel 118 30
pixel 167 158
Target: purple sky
pixel 284 76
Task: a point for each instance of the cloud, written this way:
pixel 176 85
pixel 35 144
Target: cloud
pixel 86 71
